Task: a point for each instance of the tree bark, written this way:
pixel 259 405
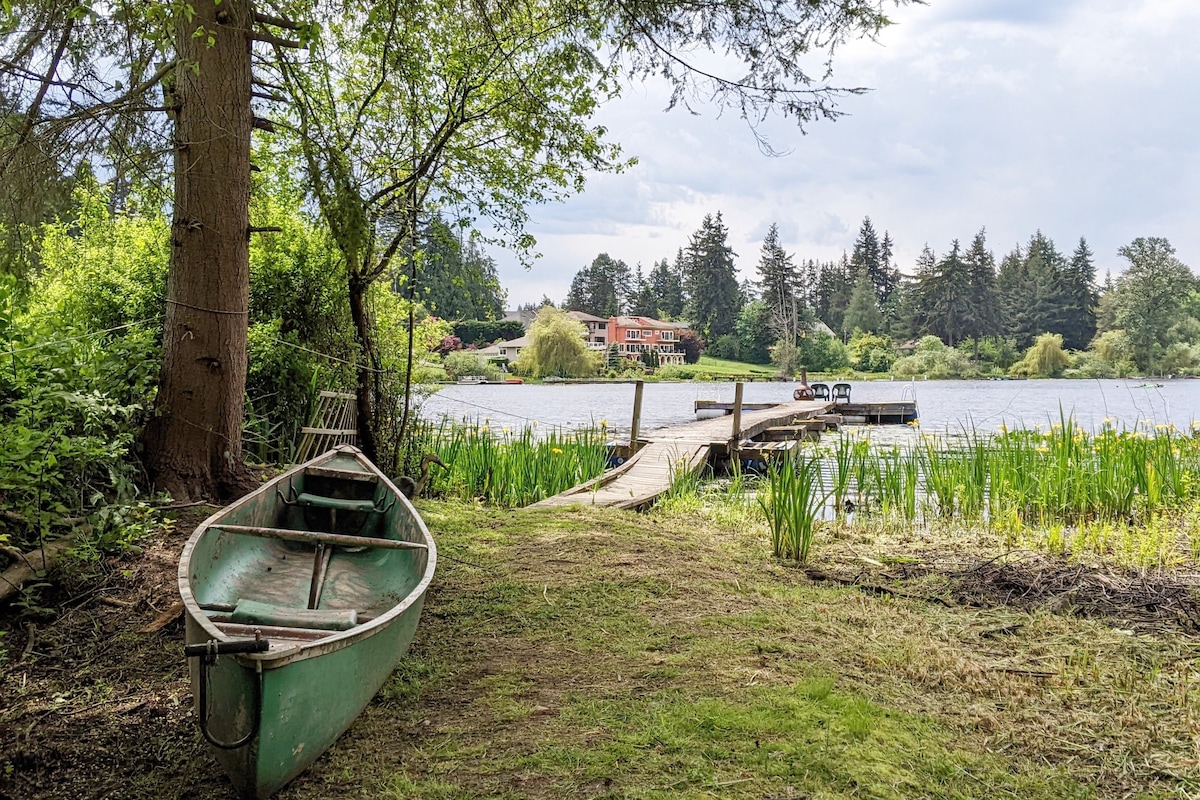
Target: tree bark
pixel 194 443
pixel 364 390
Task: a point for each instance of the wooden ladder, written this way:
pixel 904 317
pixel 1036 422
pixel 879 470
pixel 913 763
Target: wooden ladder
pixel 334 421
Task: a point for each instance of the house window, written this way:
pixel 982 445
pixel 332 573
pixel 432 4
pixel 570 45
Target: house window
pixel 633 334
pixel 667 336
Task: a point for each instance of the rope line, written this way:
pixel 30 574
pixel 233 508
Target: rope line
pixel 202 308
pixel 77 338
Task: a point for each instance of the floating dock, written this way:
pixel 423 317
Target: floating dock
pixel 899 412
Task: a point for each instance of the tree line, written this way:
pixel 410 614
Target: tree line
pixel 864 311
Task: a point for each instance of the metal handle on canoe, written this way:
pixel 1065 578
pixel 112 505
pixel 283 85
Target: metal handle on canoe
pixel 207 652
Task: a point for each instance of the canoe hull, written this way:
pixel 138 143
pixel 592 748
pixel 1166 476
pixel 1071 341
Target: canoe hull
pixel 305 706
pixel 301 695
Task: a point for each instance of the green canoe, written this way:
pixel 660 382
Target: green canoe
pixel 300 598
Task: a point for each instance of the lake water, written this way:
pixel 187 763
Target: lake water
pixel 944 406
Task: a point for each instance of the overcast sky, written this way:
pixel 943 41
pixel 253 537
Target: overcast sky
pixel 1076 118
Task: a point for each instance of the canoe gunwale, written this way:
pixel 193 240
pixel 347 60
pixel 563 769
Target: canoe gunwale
pixel 336 640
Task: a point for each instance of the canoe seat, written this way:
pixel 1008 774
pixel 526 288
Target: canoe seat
pixel 320 501
pixel 255 612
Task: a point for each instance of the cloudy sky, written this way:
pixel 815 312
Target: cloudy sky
pixel 1078 118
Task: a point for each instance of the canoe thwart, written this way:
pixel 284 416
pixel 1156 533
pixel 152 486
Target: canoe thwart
pixel 312 500
pixel 252 612
pixel 336 503
pixel 341 474
pixel 315 537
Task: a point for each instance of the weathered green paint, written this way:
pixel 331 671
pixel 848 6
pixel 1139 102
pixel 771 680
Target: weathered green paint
pixel 312 690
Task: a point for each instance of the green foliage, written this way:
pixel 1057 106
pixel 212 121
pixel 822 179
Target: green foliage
pixel 457 279
pixel 466 363
pixel 486 331
pixel 755 333
pixel 862 314
pixel 818 352
pixel 1149 298
pixel 101 271
pixel 932 359
pixel 1045 359
pixel 870 352
pixel 510 469
pixel 793 499
pixel 727 347
pixel 556 347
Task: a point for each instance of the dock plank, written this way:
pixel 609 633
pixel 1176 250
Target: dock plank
pixel 677 449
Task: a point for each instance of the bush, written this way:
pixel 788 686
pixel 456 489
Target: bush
pixel 932 359
pixel 870 352
pixel 821 352
pixel 678 372
pixel 727 347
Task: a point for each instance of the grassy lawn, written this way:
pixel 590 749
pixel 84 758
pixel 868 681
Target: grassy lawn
pixel 587 653
pixel 718 367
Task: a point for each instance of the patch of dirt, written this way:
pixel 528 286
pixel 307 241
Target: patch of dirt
pixel 90 707
pixel 1137 599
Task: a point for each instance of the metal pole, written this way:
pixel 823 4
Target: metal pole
pixel 639 388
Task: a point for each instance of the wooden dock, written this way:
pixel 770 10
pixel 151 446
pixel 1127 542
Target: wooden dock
pixel 679 449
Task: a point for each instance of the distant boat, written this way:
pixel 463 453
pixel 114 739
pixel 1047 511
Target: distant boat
pixel 471 380
pixel 1149 386
pixel 300 598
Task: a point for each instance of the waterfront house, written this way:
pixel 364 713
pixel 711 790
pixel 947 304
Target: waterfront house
pixel 636 335
pixel 597 329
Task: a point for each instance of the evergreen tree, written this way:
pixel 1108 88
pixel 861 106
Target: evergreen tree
pixel 780 283
pixel 714 297
pixel 1079 298
pixel 456 279
pixel 983 296
pixel 1031 288
pixel 643 303
pixel 666 287
pixel 874 257
pixel 835 283
pixel 603 288
pixel 862 314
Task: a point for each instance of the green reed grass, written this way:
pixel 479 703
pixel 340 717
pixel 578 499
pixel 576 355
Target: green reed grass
pixel 510 469
pixel 792 499
pixel 1082 490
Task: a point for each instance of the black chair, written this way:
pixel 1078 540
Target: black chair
pixel 841 391
pixel 820 391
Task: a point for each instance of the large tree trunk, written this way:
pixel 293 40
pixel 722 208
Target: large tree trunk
pixel 194 444
pixel 364 390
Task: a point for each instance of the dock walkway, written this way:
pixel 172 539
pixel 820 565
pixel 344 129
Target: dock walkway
pixel 678 449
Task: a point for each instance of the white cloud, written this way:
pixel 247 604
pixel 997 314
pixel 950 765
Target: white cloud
pixel 1073 118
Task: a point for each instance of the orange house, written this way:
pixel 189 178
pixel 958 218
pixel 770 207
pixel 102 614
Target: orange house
pixel 636 335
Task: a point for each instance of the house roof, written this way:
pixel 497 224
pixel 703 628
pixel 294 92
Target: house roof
pixel 583 316
pixel 493 350
pixel 649 322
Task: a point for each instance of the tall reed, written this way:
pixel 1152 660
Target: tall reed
pixel 510 469
pixel 792 500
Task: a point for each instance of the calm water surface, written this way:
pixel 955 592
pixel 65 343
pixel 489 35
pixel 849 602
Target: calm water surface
pixel 944 406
